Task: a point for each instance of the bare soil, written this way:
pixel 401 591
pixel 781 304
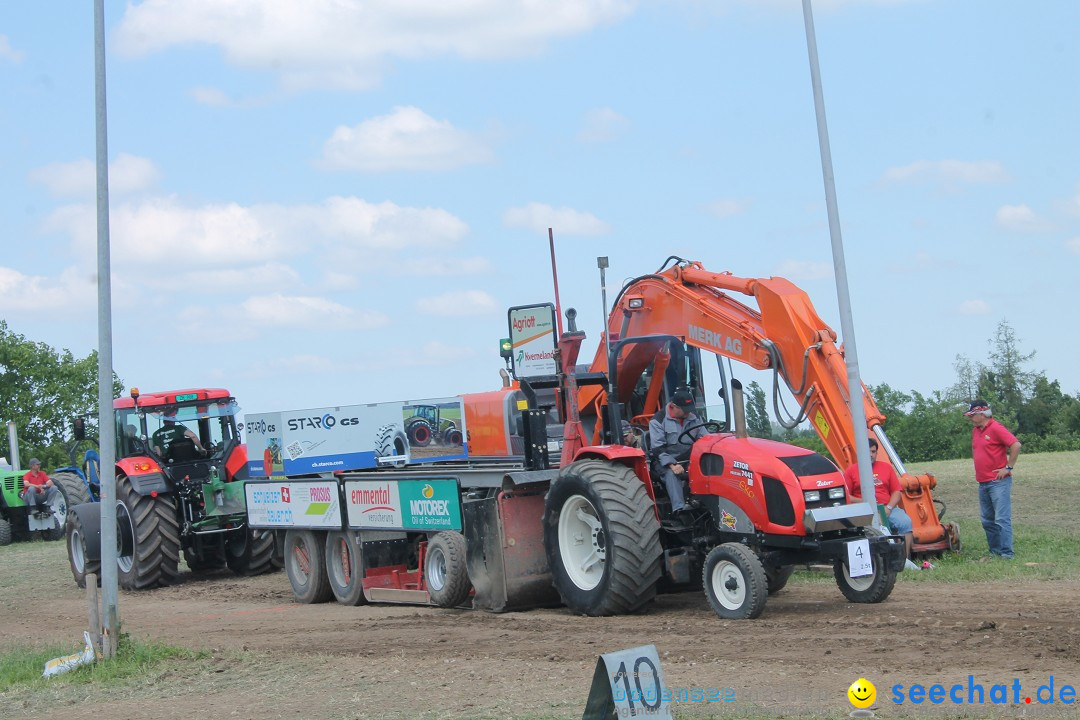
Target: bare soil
pixel 272 658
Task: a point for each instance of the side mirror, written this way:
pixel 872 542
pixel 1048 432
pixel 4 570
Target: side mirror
pixel 78 429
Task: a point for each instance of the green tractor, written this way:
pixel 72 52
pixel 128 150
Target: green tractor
pixel 17 522
pixel 426 423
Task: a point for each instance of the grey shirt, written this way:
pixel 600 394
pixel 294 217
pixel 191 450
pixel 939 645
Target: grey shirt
pixel 664 434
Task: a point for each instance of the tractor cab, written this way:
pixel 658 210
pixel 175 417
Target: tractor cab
pixel 189 434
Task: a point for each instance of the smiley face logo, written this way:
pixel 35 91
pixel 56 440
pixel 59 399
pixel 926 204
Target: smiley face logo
pixel 862 693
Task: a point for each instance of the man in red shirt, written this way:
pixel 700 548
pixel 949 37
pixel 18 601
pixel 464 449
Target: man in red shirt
pixel 886 492
pixel 38 489
pixel 995 451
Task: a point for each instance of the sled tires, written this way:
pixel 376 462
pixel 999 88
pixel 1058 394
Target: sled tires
pixel 735 582
pixel 602 539
pixel 345 567
pixel 83 528
pixel 250 552
pixel 871 588
pixel 305 564
pixel 445 570
pixel 149 538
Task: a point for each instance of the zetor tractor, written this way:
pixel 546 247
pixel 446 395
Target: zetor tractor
pixel 173 495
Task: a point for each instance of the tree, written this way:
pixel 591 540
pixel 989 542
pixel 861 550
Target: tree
pixel 1011 382
pixel 966 387
pixel 757 414
pixel 43 390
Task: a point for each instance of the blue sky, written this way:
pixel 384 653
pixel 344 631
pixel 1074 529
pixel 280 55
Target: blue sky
pixel 323 202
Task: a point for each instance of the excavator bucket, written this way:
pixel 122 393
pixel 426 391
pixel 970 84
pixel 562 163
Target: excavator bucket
pixel 930 535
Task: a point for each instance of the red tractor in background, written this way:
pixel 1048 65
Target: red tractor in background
pixel 179 471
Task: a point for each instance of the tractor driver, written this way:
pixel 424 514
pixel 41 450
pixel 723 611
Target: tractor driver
pixel 171 431
pixel 671 452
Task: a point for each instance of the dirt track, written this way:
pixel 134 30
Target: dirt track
pixel 390 661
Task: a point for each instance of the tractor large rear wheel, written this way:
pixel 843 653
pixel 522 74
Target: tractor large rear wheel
pixel 602 539
pixel 250 552
pixel 70 491
pixel 148 537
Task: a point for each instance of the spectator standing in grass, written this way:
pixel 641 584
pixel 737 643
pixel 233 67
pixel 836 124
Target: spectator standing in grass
pixel 994 450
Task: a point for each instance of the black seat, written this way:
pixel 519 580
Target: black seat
pixel 181 450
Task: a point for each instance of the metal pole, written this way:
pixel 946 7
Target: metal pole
pixel 13 442
pixel 555 278
pixel 847 326
pixel 106 426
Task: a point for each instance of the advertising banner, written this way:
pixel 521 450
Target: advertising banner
pixel 355 437
pixel 532 339
pixel 298 504
pixel 430 505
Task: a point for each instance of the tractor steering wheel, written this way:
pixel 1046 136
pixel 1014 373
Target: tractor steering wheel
pixel 712 427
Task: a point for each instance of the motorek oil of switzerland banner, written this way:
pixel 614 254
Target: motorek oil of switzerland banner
pixel 403 504
pixel 532 337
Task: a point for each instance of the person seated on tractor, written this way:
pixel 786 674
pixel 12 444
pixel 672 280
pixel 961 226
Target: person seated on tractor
pixel 631 436
pixel 171 432
pixel 670 447
pixel 134 442
pixel 887 493
pixel 38 489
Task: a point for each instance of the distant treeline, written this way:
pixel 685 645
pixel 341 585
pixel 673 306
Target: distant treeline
pixel 925 427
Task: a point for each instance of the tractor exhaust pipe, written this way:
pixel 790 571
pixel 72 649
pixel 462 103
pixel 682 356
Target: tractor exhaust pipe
pixel 13 443
pixel 738 408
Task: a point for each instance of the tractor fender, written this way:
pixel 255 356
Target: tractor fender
pixel 145 474
pixel 633 458
pixel 90 517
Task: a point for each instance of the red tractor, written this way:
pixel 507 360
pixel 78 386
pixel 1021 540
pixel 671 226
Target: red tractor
pixel 179 490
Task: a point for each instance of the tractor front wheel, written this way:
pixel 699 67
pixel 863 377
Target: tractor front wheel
pixel 777 577
pixel 5 532
pixel 602 539
pixel 735 582
pixel 872 588
pixel 148 538
pixel 305 564
pixel 250 552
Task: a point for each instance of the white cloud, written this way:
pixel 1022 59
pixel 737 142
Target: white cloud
pixel 804 270
pixel 948 172
pixel 457 303
pixel 406 139
pixel 1073 245
pixel 974 307
pixel 127 174
pixel 727 207
pixel 162 230
pixel 564 220
pixel 300 311
pixel 1021 218
pixel 71 289
pixel 602 125
pixel 332 43
pixel 9 53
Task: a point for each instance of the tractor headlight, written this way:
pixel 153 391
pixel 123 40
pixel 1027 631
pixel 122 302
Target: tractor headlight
pixel 812 496
pixel 836 493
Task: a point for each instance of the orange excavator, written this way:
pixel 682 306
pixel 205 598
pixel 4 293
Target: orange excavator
pixel 785 335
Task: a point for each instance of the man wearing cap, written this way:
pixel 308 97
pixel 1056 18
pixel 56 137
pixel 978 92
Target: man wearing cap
pixel 994 450
pixel 669 447
pixel 38 489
